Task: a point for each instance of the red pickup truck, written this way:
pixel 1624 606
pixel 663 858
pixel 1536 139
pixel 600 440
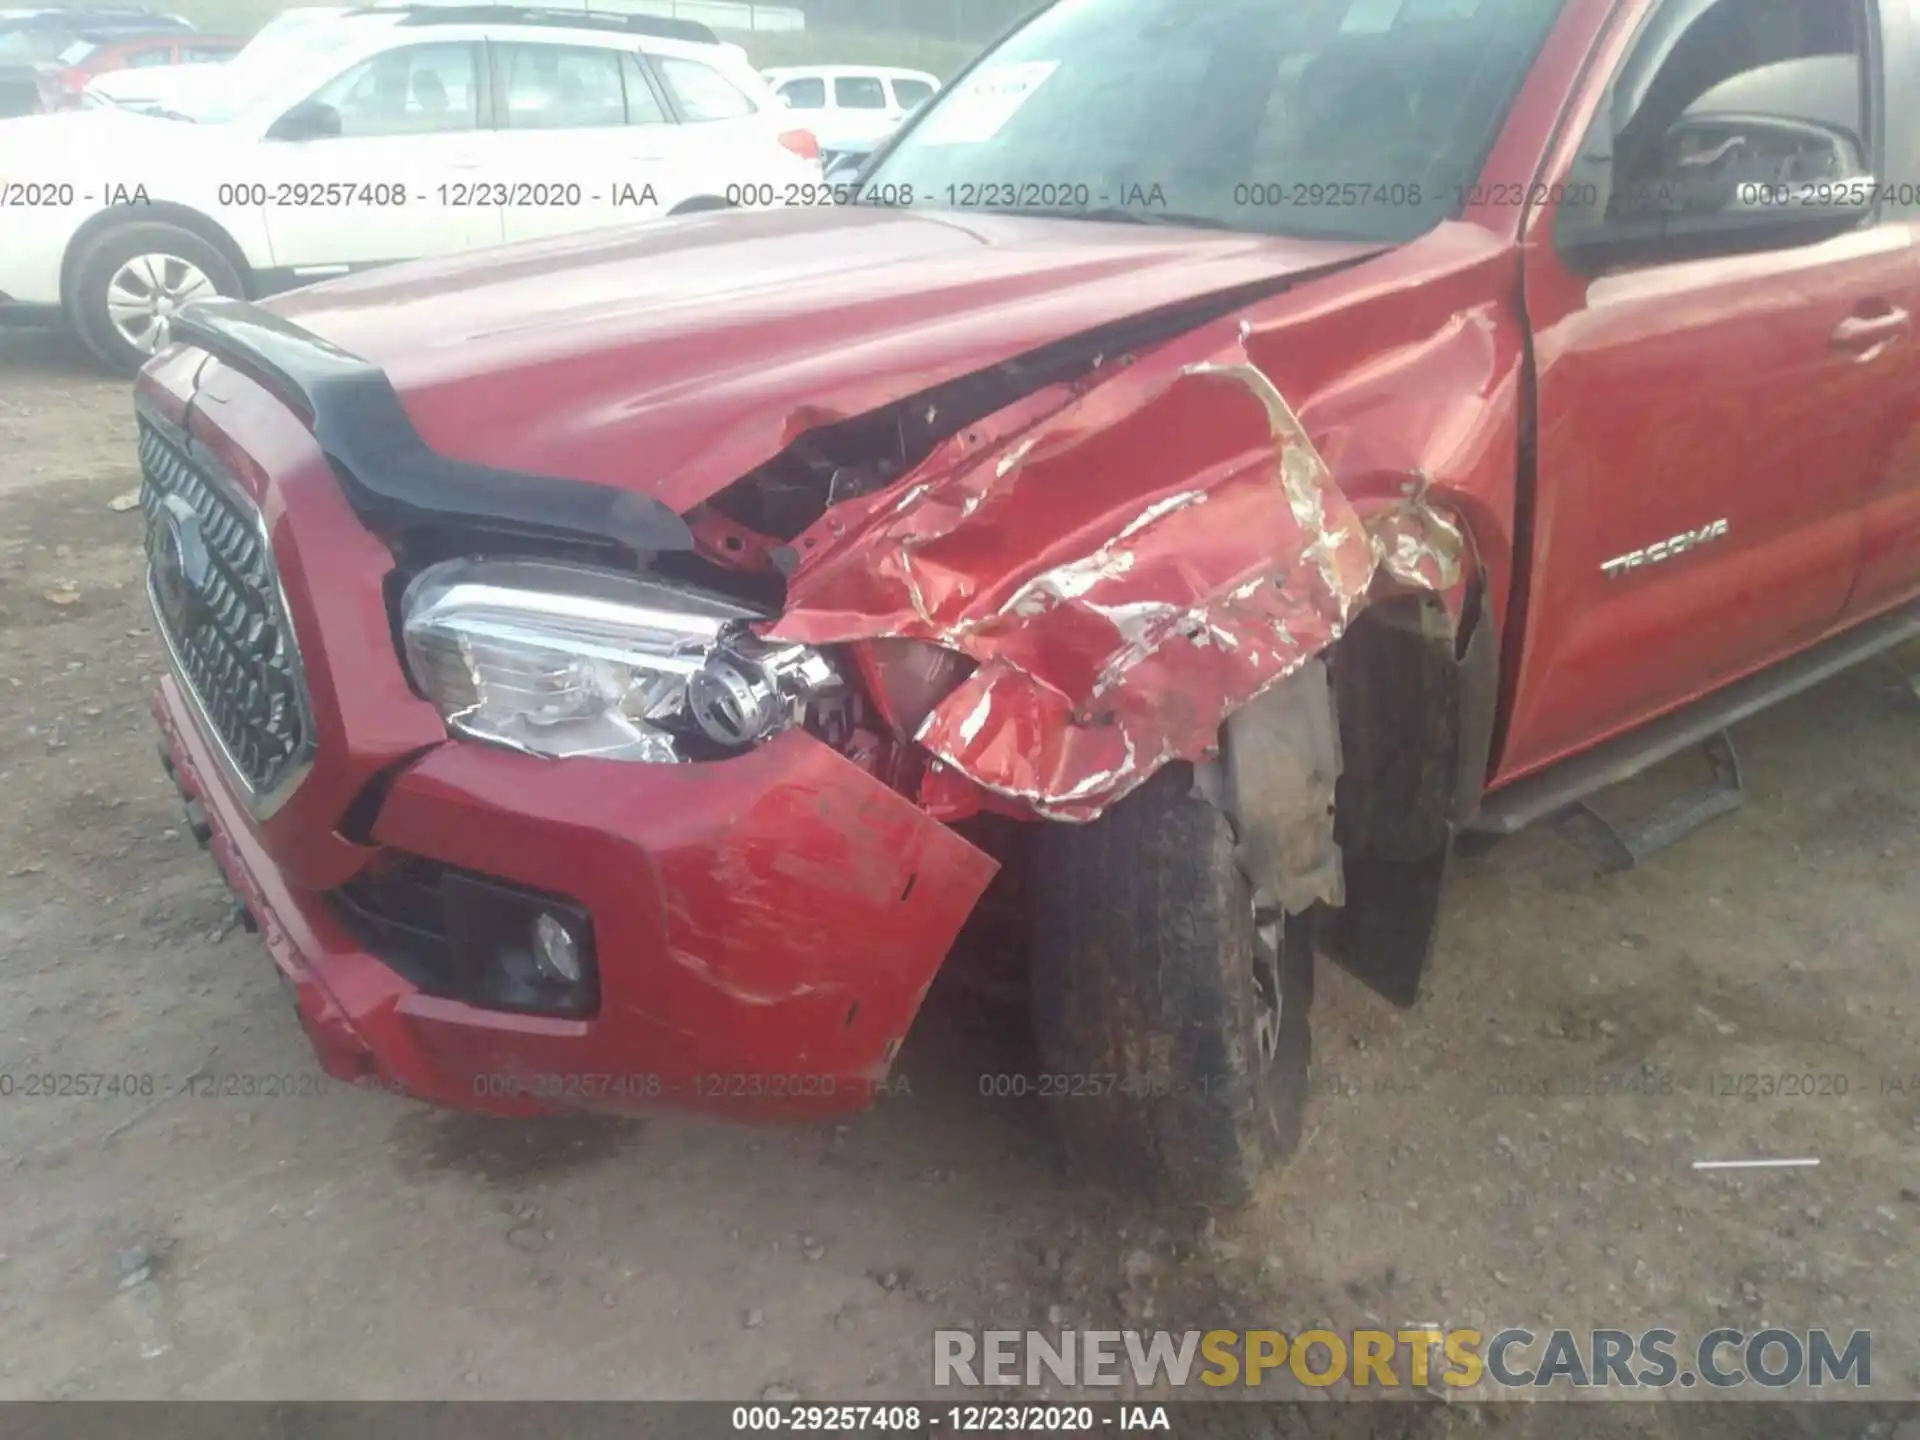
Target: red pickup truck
pixel 1210 463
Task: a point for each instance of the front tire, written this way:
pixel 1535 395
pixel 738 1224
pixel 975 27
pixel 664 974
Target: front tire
pixel 1150 965
pixel 130 279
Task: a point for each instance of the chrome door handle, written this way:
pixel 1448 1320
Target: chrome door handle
pixel 1866 336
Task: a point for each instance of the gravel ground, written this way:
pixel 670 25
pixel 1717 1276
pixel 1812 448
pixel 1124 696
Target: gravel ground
pixel 338 1243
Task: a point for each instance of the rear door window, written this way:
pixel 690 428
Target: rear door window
pixel 859 92
pixel 702 92
pixel 562 87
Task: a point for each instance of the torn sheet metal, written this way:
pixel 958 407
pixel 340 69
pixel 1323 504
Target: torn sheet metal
pixel 1144 562
pixel 1416 545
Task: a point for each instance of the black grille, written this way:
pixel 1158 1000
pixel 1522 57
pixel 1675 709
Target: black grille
pixel 233 642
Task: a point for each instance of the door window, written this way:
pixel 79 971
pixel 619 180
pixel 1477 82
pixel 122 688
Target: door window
pixel 419 90
pixel 806 94
pixel 702 92
pixel 562 87
pixel 911 92
pixel 643 103
pixel 1749 117
pixel 153 55
pixel 196 54
pixel 859 92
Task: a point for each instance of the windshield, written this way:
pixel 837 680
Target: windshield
pixel 1360 119
pixel 282 63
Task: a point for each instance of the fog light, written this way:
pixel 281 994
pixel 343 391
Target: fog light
pixel 555 950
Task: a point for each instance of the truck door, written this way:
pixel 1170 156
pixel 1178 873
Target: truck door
pixel 1720 307
pixel 1890 570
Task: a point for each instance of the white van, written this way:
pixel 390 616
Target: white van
pixel 851 105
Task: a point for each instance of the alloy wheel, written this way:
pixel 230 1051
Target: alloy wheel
pixel 144 293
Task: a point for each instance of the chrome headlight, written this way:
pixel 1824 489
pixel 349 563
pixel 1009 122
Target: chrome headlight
pixel 563 660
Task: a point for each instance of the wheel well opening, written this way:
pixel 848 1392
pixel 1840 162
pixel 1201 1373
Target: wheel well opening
pixel 158 212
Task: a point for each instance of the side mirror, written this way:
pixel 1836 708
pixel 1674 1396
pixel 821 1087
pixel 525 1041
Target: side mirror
pixel 309 120
pixel 1756 216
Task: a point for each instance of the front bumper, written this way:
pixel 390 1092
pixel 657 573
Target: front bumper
pixel 765 927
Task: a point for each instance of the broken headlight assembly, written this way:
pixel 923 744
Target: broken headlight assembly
pixel 562 660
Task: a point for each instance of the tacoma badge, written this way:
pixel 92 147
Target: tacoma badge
pixel 1664 549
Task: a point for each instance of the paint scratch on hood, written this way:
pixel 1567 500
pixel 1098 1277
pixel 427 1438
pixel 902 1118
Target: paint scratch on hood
pixel 1145 561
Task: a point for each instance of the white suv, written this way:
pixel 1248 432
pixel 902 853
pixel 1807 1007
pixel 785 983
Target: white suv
pixel 851 106
pixel 390 134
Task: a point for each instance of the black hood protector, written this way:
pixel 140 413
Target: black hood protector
pixel 409 494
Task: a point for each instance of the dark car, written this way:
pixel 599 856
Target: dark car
pixel 34 43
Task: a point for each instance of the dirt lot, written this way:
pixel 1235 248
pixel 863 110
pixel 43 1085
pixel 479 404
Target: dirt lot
pixel 340 1243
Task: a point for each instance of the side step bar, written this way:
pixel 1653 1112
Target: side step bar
pixel 1514 807
pixel 1623 844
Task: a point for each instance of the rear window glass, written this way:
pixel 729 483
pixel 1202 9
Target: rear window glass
pixel 701 91
pixel 911 92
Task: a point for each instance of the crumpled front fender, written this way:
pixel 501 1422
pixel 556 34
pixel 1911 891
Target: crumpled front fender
pixel 1133 567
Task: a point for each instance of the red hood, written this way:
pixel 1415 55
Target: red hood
pixel 676 357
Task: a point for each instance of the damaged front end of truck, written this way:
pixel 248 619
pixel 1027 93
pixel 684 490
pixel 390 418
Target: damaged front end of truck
pixel 1061 576
pixel 1036 592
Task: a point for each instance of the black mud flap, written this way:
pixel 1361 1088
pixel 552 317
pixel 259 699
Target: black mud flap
pixel 1420 780
pixel 1385 934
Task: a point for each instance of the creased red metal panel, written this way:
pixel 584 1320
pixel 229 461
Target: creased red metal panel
pixel 1147 559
